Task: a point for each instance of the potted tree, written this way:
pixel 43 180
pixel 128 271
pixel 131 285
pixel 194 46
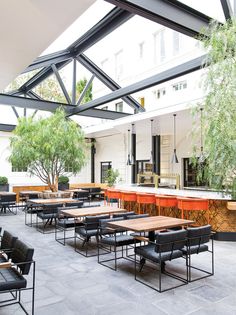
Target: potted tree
pixel 4 186
pixel 47 146
pixel 219 107
pixel 63 182
pixel 111 176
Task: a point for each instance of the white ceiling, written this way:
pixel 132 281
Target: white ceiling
pixel 28 27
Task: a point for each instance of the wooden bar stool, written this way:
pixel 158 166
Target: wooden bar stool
pixel 166 201
pixel 191 205
pixel 145 199
pixel 130 198
pixel 113 194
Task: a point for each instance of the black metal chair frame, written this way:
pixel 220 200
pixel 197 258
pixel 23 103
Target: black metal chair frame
pixel 16 293
pixel 48 220
pixel 62 225
pixel 8 202
pixel 31 210
pixel 86 240
pixel 189 260
pixel 162 269
pixel 109 249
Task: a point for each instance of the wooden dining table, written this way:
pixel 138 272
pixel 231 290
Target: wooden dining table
pixel 149 224
pixel 50 201
pixel 83 212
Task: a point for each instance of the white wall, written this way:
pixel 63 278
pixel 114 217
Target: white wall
pixel 23 178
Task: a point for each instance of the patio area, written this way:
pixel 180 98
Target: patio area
pixel 68 283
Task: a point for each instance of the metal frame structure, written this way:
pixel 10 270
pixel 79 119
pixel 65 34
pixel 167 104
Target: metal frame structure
pixel 172 14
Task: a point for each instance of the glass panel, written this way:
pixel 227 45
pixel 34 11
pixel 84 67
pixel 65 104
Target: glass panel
pixel 20 80
pixel 211 8
pixel 87 20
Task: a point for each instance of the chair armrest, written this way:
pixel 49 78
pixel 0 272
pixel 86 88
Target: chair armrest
pixel 7 264
pixel 141 238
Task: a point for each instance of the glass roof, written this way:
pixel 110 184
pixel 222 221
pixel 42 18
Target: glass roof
pixel 212 8
pixel 87 20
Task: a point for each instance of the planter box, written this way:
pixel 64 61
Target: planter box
pixel 4 187
pixel 63 186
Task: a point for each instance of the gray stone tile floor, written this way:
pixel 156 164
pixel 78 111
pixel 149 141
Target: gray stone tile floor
pixel 68 283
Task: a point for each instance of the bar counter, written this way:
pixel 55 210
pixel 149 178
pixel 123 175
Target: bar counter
pixel 222 220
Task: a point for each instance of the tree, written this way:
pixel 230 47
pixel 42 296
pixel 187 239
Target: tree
pixel 219 114
pixel 48 146
pixel 80 85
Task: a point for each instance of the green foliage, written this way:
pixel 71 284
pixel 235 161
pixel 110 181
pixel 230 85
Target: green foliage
pixel 219 114
pixel 111 176
pixel 79 89
pixel 3 180
pixel 46 146
pixel 63 179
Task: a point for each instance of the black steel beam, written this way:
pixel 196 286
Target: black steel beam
pixel 43 105
pixel 7 128
pixel 40 76
pixel 103 114
pixel 105 26
pixel 159 78
pixel 104 78
pixel 85 90
pixel 62 85
pixel 172 14
pixel 226 6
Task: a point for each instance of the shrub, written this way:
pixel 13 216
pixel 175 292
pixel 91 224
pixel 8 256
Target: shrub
pixel 63 180
pixel 3 180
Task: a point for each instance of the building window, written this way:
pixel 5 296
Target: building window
pixel 69 169
pixel 18 169
pixel 141 50
pixel 160 93
pixel 119 64
pixel 119 107
pixel 176 43
pixel 180 86
pixel 105 166
pixel 159 46
pixel 104 108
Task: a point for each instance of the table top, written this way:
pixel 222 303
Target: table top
pixel 4 193
pixel 75 190
pixel 29 192
pixel 83 212
pixel 148 224
pixel 54 200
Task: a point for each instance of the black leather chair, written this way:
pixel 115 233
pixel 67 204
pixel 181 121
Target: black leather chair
pixel 65 224
pixel 48 214
pixel 7 244
pixel 166 248
pixel 110 240
pixel 31 209
pixel 13 280
pixel 123 214
pixel 8 202
pixel 199 240
pixel 85 232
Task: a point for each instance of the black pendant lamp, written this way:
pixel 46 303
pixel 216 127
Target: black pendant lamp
pixel 128 159
pixel 131 154
pixel 174 156
pixel 151 156
pixel 202 155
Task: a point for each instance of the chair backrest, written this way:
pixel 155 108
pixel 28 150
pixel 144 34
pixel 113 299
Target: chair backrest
pixel 92 222
pixel 52 208
pixel 169 241
pixel 103 223
pixel 82 194
pixel 198 235
pixel 95 190
pixel 22 253
pixel 34 196
pixel 137 216
pixel 77 204
pixel 123 214
pixel 8 240
pixel 8 198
